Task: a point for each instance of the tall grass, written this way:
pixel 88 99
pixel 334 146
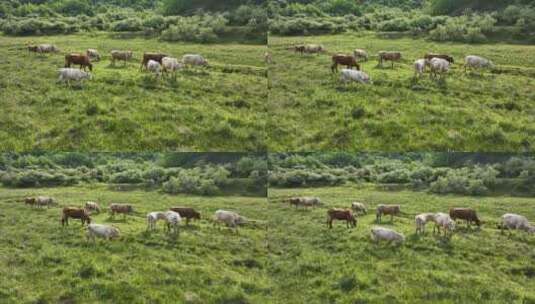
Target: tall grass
pixel 42 262
pixel 310 109
pixel 313 264
pixel 122 109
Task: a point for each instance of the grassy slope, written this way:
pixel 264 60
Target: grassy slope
pixel 310 109
pixel 123 109
pixel 344 266
pixel 39 260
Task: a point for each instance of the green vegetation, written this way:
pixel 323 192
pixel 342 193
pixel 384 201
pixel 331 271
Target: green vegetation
pixel 441 20
pixel 201 21
pixel 41 262
pixel 221 108
pixel 310 109
pixel 174 173
pixel 313 264
pixel 443 173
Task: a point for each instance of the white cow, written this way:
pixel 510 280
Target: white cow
pixel 419 67
pixel 513 221
pixel 66 75
pixel 194 59
pixel 103 231
pixel 439 66
pixel 171 64
pixel 154 67
pixel 348 75
pixel 476 62
pixel 388 235
pixel 443 220
pixel 153 217
pixel 360 53
pixel 422 219
pixel 172 220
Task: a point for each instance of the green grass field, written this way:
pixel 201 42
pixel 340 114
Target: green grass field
pixel 41 262
pixel 309 109
pixel 218 109
pixel 312 264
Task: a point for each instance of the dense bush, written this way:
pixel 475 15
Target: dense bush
pixel 200 181
pixel 37 178
pixel 196 29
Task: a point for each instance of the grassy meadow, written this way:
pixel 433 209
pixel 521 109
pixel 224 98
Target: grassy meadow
pixel 221 108
pixel 41 262
pixel 310 109
pixel 312 264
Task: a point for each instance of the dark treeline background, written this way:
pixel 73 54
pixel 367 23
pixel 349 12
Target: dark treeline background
pixel 442 173
pixel 173 173
pixel 203 21
pixel 471 21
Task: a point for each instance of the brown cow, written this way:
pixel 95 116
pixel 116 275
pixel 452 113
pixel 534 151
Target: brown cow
pixel 389 56
pixel 30 201
pixel 299 49
pixel 187 213
pixel 121 208
pixel 77 213
pixel 341 214
pixel 151 56
pixel 467 214
pixel 76 58
pixel 347 60
pixel 33 48
pixel 387 210
pixel 430 56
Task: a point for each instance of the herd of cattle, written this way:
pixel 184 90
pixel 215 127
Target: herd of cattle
pixel 157 63
pixel 444 221
pixel 172 217
pixel 439 64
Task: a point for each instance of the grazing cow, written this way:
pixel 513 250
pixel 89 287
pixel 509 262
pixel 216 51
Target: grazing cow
pixel 171 64
pixel 314 49
pixel 467 214
pixel 43 48
pixel 299 48
pixel 120 55
pixel 512 221
pixel 419 67
pixel 476 62
pixel 121 208
pixel 187 213
pixel 67 75
pixel 443 220
pixel 421 220
pixel 305 201
pixel 389 56
pixel 359 207
pixel 77 213
pixel 348 61
pixel 153 217
pixel 172 219
pixel 347 75
pixel 387 210
pixel 388 235
pixel 30 201
pixel 103 231
pixel 194 60
pixel 44 201
pixel 92 206
pixel 151 56
pixel 154 67
pixel 448 58
pixel 33 48
pixel 439 66
pixel 229 218
pixel 268 59
pixel 360 54
pixel 341 214
pixel 93 54
pixel 81 59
